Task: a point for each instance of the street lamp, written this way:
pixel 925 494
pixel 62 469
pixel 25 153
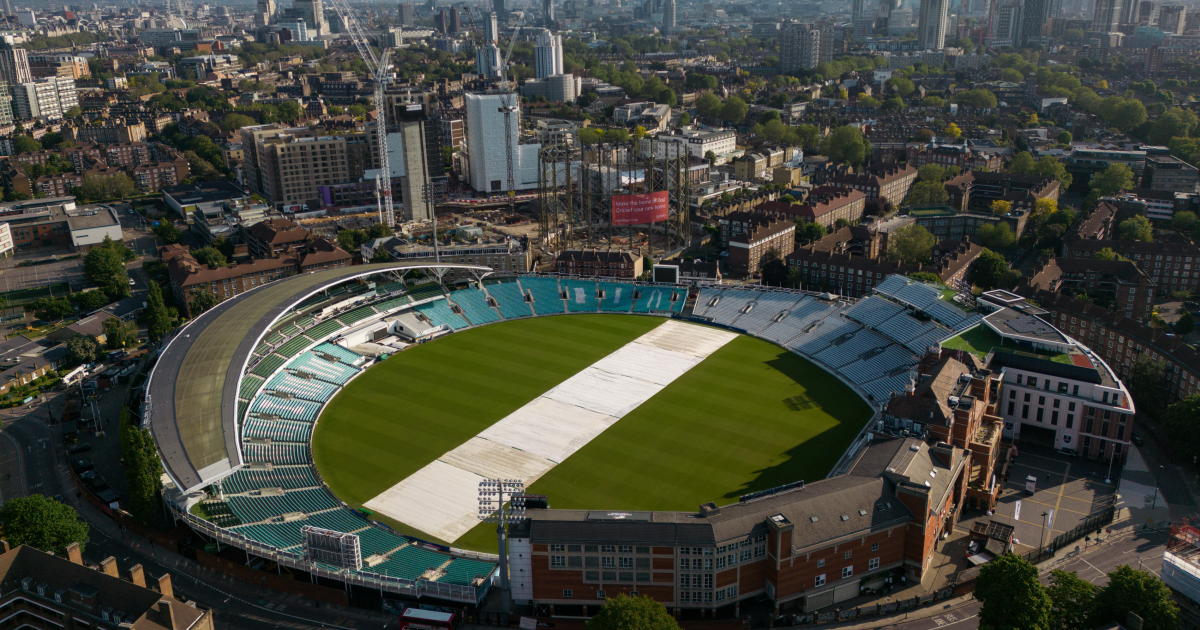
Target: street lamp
pixel 1042 540
pixel 1154 501
pixel 494 509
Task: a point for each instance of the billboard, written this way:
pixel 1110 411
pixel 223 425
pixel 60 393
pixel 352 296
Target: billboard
pixel 639 209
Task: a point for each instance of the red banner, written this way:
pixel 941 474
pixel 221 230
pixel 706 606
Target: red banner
pixel 639 209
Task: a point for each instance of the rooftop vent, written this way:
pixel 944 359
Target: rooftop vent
pixel 813 519
pixel 916 448
pixel 862 512
pixel 845 517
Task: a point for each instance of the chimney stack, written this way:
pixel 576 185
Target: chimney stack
pixel 73 553
pixel 137 576
pixel 109 566
pixel 164 585
pixel 166 612
pixel 4 545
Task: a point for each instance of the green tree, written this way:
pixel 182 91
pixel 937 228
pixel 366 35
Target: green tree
pixel 1011 75
pixel 42 523
pixel 358 111
pixel 82 349
pixel 1012 597
pixel 711 157
pixel 1021 164
pixel 977 98
pixel 590 136
pixel 1001 207
pixel 926 276
pixel 104 265
pixel 616 135
pixel 380 256
pixel 775 271
pixel 202 300
pixel 119 334
pixel 1071 601
pixel 26 144
pixel 1139 592
pixel 1185 324
pixel 846 144
pixel 990 270
pixel 926 193
pixel 88 301
pixel 708 104
pixel 1185 222
pixel 1136 229
pixel 1107 254
pixel 1064 137
pixel 632 613
pixel 1114 178
pixel 289 111
pixel 223 245
pixel 997 237
pixel 1181 427
pixel 52 308
pixel 167 232
pixel 1148 385
pixel 911 244
pixel 200 168
pixel 103 187
pixel 158 319
pixel 143 472
pixel 685 119
pixel 808 231
pixel 734 110
pixel 902 86
pixel 236 121
pixel 351 240
pixel 210 257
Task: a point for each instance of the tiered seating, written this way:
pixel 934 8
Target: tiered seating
pixel 509 299
pixel 304 322
pixel 357 315
pixel 310 389
pixel 341 520
pixel 324 329
pixel 843 352
pixel 874 311
pixel 294 409
pixel 921 343
pixel 310 363
pixel 426 291
pixel 891 285
pixel 393 304
pixel 438 312
pixel 274 339
pixel 294 346
pixel 463 571
pixel 268 365
pixel 618 297
pixel 346 356
pixel 546 300
pixel 819 338
pixel 891 358
pixel 250 384
pixel 281 535
pixel 391 287
pixel 801 315
pixel 311 302
pixel 658 299
pixel 952 316
pixel 880 390
pixel 410 562
pixel 278 430
pixel 286 477
pixel 474 304
pixel 766 308
pixel 730 306
pixel 704 299
pixel 288 330
pixel 918 295
pixel 276 453
pixel 251 509
pixel 581 295
pixel 373 540
pixel 219 513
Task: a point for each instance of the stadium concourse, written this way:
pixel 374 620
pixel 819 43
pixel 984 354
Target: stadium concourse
pixel 233 398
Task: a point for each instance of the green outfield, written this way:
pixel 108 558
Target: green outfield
pixel 750 417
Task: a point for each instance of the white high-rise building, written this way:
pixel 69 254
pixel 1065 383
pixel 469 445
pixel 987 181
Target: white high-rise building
pixel 45 98
pixel 491 30
pixel 931 25
pixel 668 15
pixel 487 61
pixel 486 153
pixel 14 63
pixel 1106 14
pixel 799 47
pixel 547 55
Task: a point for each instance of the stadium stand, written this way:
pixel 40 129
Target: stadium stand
pixel 410 563
pixel 426 291
pixel 803 314
pixel 276 452
pixel 374 540
pixel 581 295
pixel 250 385
pixel 313 365
pixel 658 299
pixel 618 297
pixel 547 298
pixel 357 315
pixel 254 509
pixel 286 477
pixel 342 520
pixel 393 304
pixel 268 365
pixel 309 389
pixel 473 303
pixel 707 299
pixel 440 314
pixel 281 535
pixel 293 346
pixel 731 306
pixel 342 354
pixel 509 299
pixel 287 409
pixel 766 308
pixel 278 430
pixel 324 329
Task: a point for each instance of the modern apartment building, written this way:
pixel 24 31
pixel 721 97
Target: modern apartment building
pixel 115 131
pixel 932 23
pixel 799 47
pixel 547 55
pixel 1167 172
pixel 47 98
pixel 487 150
pixel 14 63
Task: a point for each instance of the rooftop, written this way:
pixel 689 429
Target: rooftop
pixel 981 341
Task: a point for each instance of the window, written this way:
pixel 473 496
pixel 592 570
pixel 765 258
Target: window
pixel 683 563
pixel 567 593
pixel 607 562
pixel 591 562
pixel 558 547
pixel 819 581
pixel 575 562
pixel 1025 412
pixel 558 562
pixel 625 563
pixel 685 597
pixel 684 580
pixel 731 591
pixel 600 594
pixel 874 546
pixel 873 564
pixel 847 572
pixel 626 549
pixel 1011 408
pixel 849 554
pixel 608 549
pixel 820 563
pixel 643 563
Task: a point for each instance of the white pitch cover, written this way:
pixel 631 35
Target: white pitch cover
pixel 441 499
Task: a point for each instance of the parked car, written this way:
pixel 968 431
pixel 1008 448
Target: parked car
pixel 79 448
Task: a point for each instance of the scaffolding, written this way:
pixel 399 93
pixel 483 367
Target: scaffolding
pixel 576 186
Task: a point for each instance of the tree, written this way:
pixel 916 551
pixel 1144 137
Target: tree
pixel 711 157
pixel 1136 229
pixel 1022 163
pixel 119 334
pixel 82 349
pixel 616 135
pixel 997 237
pixel 1012 597
pixel 878 207
pixel 1148 385
pixel 42 523
pixel 52 308
pixel 1071 601
pixel 775 271
pixel 202 300
pixel 588 137
pixel 290 111
pixel 846 144
pixel 952 131
pixel 167 232
pixel 708 104
pixel 1011 75
pixel 978 97
pixel 685 119
pixel 1185 222
pixel 1107 254
pixel 1001 207
pixel 841 223
pixel 926 276
pixel 1064 137
pixel 903 86
pixel 102 187
pixel 632 613
pixel 158 319
pixel 143 472
pixel 1181 427
pixel 104 265
pixel 808 231
pixel 1185 324
pixel 201 169
pixel 26 144
pixel 237 121
pixel 734 110
pixel 927 194
pixel 88 301
pixel 358 111
pixel 639 132
pixel 1112 179
pixel 989 270
pixel 223 245
pixel 210 257
pixel 1139 592
pixel 911 244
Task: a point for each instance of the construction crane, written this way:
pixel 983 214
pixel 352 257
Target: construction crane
pixel 377 67
pixel 507 108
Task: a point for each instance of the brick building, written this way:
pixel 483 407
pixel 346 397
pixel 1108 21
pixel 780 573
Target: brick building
pixel 1171 265
pixel 1166 172
pixel 881 179
pixel 825 205
pixel 595 262
pixel 946 155
pixel 976 190
pixel 851 262
pixel 759 238
pixel 1119 282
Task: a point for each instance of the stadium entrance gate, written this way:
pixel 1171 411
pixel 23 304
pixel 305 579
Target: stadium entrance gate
pixel 1033 434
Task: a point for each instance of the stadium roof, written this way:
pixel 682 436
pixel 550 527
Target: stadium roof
pixel 193 391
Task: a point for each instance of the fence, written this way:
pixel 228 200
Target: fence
pixel 23 296
pixel 866 612
pixel 1091 524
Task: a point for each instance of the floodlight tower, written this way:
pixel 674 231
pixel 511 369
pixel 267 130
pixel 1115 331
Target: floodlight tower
pixel 493 508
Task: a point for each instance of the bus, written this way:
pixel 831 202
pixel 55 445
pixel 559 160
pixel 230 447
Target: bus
pixel 417 619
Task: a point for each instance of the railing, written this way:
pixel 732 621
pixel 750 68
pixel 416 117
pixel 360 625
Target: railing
pixel 364 577
pixel 1090 524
